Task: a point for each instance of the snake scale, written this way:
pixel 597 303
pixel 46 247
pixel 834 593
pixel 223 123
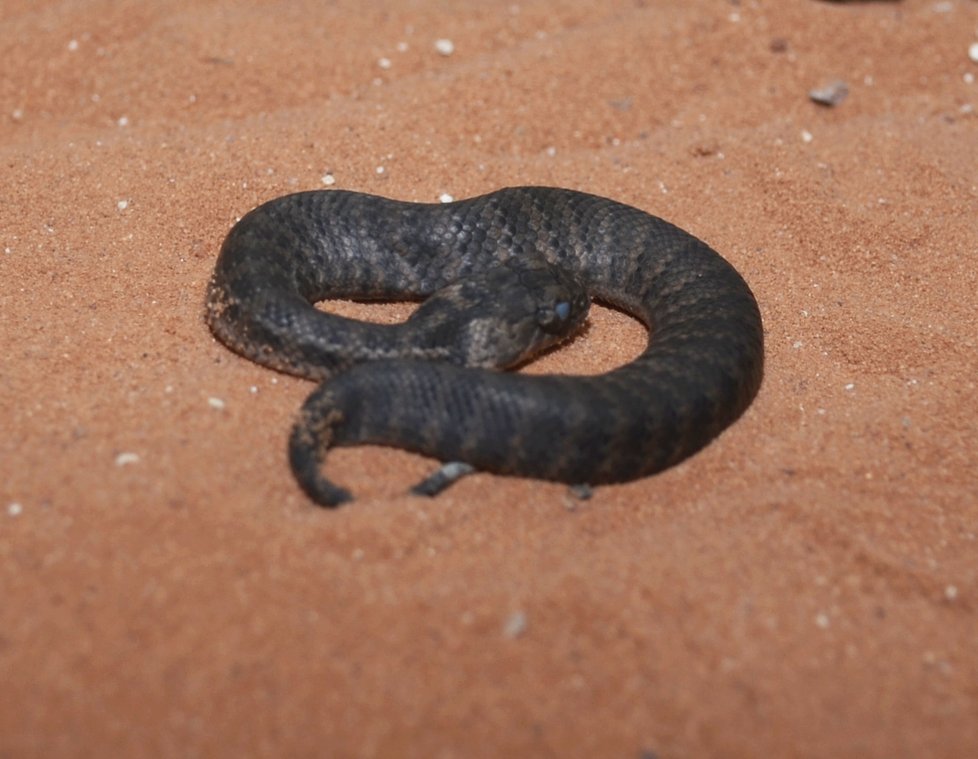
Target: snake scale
pixel 505 275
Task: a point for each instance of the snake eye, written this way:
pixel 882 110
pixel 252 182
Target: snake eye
pixel 553 318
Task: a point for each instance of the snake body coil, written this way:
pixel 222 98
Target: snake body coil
pixel 413 386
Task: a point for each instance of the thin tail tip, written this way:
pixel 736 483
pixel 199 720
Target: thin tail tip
pixel 305 464
pixel 328 495
pixel 306 455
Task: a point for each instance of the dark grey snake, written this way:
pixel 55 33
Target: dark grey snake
pixel 508 274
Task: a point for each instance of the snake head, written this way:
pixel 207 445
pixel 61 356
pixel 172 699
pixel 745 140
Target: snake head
pixel 533 306
pixel 503 316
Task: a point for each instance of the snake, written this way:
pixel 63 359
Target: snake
pixel 501 277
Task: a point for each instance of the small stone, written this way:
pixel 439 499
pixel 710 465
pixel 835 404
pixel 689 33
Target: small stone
pixel 973 52
pixel 832 94
pixel 582 491
pixel 126 458
pixel 515 625
pixel 15 509
pixel 384 63
pixel 445 198
pixel 215 403
pixel 444 46
pixel 328 179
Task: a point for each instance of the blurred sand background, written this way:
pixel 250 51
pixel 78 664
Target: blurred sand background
pixel 806 586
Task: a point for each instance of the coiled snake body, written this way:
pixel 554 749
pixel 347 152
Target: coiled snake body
pixel 507 273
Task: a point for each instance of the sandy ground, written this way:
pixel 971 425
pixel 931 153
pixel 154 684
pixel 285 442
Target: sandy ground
pixel 806 586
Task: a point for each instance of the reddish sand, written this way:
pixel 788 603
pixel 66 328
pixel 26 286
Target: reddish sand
pixel 806 586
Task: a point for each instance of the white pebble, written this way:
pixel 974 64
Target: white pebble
pixel 123 121
pixel 380 169
pixel 14 509
pixel 973 51
pixel 73 45
pixel 328 179
pixel 122 205
pixel 124 459
pixel 515 625
pixel 968 78
pixel 444 46
pixel 215 403
pixel 384 63
pixel 951 592
pixel 445 198
pixel 830 94
pixel 822 620
pixel 850 386
pixel 806 136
